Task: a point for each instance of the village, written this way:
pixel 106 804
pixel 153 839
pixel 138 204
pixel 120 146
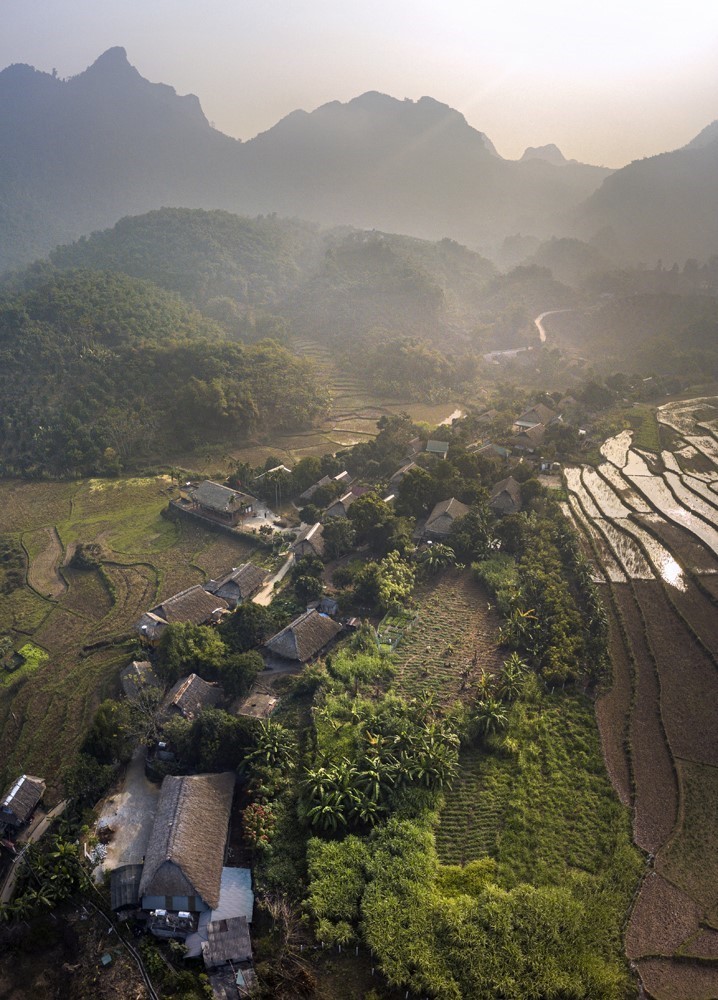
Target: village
pixel 170 844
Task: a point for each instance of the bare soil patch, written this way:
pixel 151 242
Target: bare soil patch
pixel 46 554
pixel 656 791
pixel 666 979
pixel 613 709
pixel 663 917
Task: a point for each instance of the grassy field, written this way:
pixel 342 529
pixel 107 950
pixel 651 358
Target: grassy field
pixel 46 705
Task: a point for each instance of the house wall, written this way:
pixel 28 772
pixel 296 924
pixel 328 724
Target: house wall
pixel 193 904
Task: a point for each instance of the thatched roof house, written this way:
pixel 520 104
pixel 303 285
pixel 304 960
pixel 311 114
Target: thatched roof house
pixel 190 695
pixel 239 584
pixel 222 503
pixel 538 414
pixel 193 606
pixel 304 637
pixel 137 678
pixel 529 439
pixel 439 522
pixel 311 490
pixel 341 505
pixel 227 941
pixel 17 804
pixel 401 472
pixel 506 497
pixel 309 542
pixel 185 853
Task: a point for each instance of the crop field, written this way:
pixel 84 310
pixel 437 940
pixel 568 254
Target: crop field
pixel 664 645
pixel 48 702
pixel 542 805
pixel 452 642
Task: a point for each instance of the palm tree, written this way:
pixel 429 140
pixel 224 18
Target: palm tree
pixel 512 677
pixel 490 717
pixel 438 556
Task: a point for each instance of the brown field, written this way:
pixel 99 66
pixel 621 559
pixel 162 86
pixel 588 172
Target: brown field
pixel 662 919
pixel 668 980
pixel 655 789
pixel 454 640
pixel 613 709
pixel 46 553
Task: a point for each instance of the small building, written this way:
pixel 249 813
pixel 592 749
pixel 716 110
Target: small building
pixel 344 478
pixel 190 696
pixel 184 858
pixel 414 447
pixel 309 542
pixel 137 678
pixel 491 450
pixel 278 470
pixel 538 414
pixel 241 583
pixel 439 522
pixel 311 490
pixel 340 507
pixel 227 942
pixel 506 497
pixel 193 606
pixel 222 503
pixel 258 705
pixel 530 439
pixel 19 802
pixel 438 448
pixel 305 637
pixel 401 472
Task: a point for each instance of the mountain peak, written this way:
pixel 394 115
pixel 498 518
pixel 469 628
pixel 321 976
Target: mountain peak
pixel 550 153
pixel 706 137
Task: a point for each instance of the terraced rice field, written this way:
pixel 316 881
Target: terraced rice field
pixel 659 721
pixel 83 620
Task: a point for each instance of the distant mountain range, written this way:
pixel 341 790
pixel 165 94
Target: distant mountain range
pixel 77 155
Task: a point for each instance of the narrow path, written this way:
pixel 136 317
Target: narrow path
pixel 538 322
pixel 264 596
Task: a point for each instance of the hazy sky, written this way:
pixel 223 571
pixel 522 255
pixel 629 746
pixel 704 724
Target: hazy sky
pixel 607 80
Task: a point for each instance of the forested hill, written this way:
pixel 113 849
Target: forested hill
pixel 333 284
pixel 100 371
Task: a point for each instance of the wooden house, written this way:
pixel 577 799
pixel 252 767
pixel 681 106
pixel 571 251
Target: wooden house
pixel 239 584
pixel 439 522
pixel 189 696
pixel 19 801
pixel 506 497
pixel 185 853
pixel 305 637
pixel 309 542
pixel 193 606
pixel 220 503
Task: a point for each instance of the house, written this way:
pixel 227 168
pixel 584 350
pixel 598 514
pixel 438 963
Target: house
pixel 344 479
pixel 258 705
pixel 221 503
pixel 488 417
pixel 309 542
pixel 438 448
pixel 305 637
pixel 439 522
pixel 506 497
pixel 239 584
pixel 18 803
pixel 400 473
pixel 340 506
pixel 414 447
pixel 189 696
pixel 530 439
pixel 278 470
pixel 538 414
pixel 491 450
pixel 193 606
pixel 311 490
pixel 182 870
pixel 137 678
pixel 327 606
